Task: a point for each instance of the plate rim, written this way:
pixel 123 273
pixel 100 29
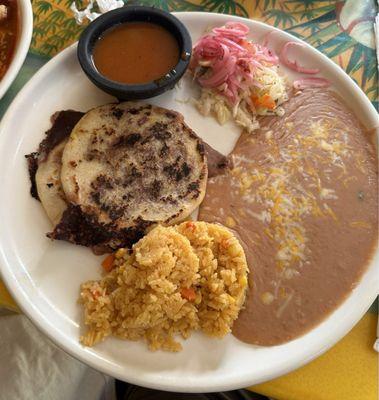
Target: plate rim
pixel 42 322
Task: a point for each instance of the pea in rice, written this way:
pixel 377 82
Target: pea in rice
pixel 176 280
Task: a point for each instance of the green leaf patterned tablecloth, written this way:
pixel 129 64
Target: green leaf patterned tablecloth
pixel 343 30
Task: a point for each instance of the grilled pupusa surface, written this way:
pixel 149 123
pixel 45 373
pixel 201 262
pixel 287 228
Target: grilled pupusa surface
pixel 45 164
pixel 130 165
pixel 49 186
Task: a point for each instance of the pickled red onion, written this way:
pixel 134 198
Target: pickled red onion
pixel 293 64
pixel 221 70
pixel 230 58
pixel 237 25
pixel 304 83
pixel 232 30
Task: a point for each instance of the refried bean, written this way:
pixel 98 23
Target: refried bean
pixel 303 199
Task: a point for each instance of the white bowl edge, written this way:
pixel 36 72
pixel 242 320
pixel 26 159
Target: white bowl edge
pixel 22 45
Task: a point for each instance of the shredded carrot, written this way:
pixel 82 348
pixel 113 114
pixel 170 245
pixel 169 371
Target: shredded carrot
pixel 247 45
pixel 188 293
pixel 267 101
pixel 191 226
pixel 107 263
pixel 96 294
pixel 224 243
pixel 263 101
pixel 254 99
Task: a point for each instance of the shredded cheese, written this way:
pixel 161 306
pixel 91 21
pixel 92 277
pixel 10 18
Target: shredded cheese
pixel 289 188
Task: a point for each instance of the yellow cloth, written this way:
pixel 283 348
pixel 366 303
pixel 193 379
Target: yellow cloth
pixel 348 371
pixel 6 300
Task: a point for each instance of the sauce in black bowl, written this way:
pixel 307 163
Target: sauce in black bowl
pixel 145 52
pixel 135 52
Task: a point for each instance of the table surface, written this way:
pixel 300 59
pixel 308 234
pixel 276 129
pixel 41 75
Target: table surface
pixel 343 30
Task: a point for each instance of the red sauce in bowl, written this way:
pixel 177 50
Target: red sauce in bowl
pixel 8 33
pixel 136 53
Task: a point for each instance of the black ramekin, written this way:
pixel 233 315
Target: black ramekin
pixel 113 18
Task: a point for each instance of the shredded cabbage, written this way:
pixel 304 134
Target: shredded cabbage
pixel 239 79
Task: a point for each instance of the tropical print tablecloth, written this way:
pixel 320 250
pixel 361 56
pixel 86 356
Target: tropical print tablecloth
pixel 341 30
pixel 344 31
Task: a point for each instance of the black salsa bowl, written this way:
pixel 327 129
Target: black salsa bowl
pixel 111 19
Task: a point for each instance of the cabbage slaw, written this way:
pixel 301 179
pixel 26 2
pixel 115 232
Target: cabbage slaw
pixel 239 79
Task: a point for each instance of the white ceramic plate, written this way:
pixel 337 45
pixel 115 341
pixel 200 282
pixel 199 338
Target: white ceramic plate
pixel 44 276
pixel 22 45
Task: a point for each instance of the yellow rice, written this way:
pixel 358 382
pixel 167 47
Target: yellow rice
pixel 142 297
